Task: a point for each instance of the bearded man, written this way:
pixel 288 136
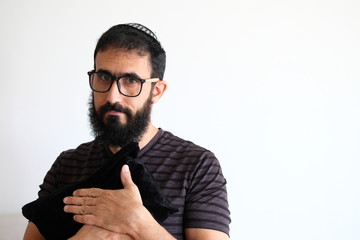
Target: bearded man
pixel 127 79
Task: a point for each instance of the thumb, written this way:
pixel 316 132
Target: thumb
pixel 126 176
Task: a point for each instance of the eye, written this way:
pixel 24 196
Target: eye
pixel 104 77
pixel 130 81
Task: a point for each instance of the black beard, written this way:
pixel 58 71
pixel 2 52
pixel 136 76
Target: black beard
pixel 111 131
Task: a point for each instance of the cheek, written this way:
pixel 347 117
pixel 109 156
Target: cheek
pixel 146 93
pixel 99 100
pixel 139 105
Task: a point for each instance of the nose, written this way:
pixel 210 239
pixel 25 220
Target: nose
pixel 114 95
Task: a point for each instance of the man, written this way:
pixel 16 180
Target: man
pixel 129 65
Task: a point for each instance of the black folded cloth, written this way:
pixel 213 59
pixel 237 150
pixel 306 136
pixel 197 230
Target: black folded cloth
pixel 47 213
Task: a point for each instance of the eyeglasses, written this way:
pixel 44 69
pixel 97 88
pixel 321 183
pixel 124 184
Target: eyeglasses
pixel 128 84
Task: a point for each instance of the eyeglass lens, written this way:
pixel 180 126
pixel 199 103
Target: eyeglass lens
pixel 101 82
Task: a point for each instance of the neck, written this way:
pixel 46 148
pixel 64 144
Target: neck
pixel 145 139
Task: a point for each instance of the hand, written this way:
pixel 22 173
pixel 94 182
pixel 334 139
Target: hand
pixel 115 210
pixel 89 232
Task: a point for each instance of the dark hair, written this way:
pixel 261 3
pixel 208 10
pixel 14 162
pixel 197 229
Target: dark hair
pixel 135 37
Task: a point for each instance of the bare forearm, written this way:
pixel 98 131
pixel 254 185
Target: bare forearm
pixel 152 232
pixel 94 233
pixel 145 227
pixel 32 232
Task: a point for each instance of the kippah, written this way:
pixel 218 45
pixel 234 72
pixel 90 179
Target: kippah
pixel 143 29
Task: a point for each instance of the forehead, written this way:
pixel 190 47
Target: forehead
pixel 118 61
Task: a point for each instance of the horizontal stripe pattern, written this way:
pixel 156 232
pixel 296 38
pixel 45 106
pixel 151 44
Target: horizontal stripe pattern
pixel 189 175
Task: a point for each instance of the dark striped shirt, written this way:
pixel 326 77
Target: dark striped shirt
pixel 189 175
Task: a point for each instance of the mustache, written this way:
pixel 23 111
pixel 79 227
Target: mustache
pixel 113 107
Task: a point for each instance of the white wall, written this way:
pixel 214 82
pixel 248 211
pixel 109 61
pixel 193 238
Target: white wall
pixel 272 87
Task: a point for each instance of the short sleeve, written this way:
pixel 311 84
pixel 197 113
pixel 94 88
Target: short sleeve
pixel 206 201
pixel 49 184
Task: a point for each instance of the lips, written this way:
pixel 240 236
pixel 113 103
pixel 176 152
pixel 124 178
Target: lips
pixel 112 112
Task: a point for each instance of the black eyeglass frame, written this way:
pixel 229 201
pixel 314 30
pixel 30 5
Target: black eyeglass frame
pixel 114 78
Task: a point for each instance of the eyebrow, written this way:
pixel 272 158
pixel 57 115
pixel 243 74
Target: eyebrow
pixel 129 74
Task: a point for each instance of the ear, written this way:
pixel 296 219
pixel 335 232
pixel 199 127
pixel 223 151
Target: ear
pixel 159 90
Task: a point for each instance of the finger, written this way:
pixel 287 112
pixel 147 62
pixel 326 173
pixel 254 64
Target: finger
pixel 82 210
pixel 126 177
pixel 85 219
pixel 80 201
pixel 88 192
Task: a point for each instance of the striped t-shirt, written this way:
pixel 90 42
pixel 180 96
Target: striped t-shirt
pixel 189 175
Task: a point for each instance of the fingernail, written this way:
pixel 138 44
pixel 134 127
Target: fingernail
pixel 126 168
pixel 65 200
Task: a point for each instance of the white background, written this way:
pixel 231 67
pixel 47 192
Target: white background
pixel 271 87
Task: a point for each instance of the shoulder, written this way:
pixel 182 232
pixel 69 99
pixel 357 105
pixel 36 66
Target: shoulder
pixel 170 142
pixel 83 154
pixel 83 149
pixel 200 163
pixel 175 153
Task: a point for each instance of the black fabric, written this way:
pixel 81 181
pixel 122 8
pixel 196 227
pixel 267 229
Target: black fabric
pixel 48 214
